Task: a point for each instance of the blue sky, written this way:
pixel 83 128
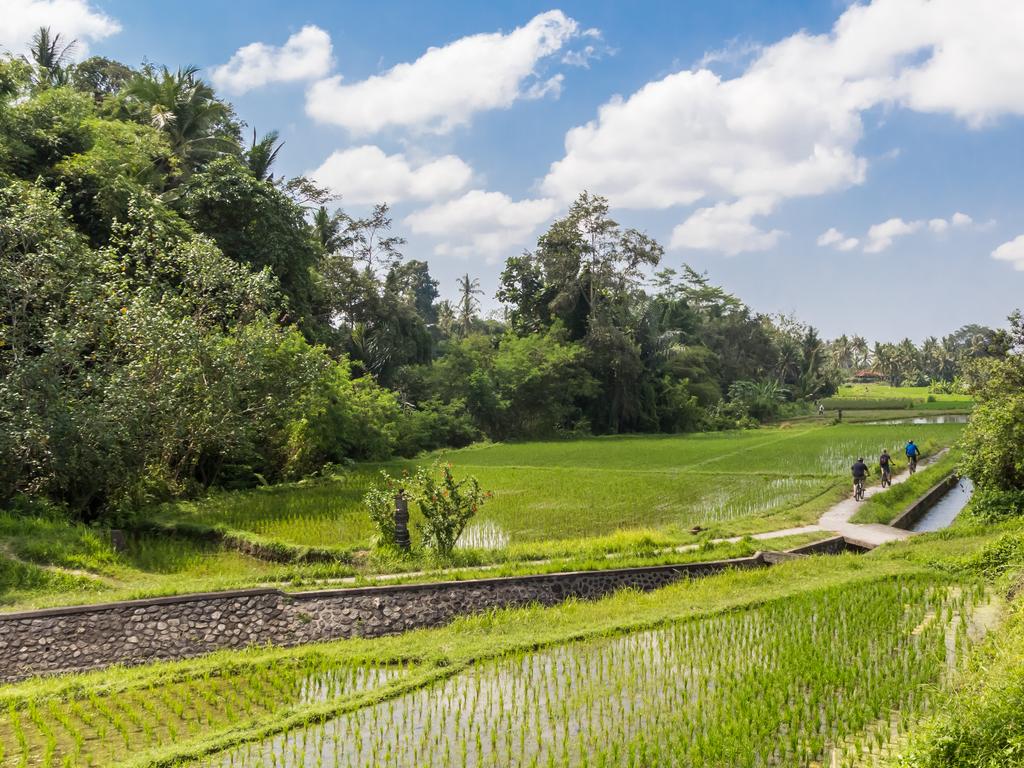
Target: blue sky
pixel 855 166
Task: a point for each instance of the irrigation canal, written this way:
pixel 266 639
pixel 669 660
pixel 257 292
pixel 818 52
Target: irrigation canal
pixel 946 509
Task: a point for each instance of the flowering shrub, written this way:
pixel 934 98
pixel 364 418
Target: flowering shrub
pixel 447 505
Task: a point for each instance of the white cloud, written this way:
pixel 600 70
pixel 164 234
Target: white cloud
pixel 830 237
pixel 881 236
pixel 304 56
pixel 1012 252
pixel 367 175
pixel 789 125
pixel 446 86
pixel 836 238
pixel 72 19
pixel 727 227
pixel 479 223
pixel 958 220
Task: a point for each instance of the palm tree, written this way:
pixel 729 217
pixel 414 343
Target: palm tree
pixel 328 229
pixel 469 289
pixel 262 154
pixel 859 347
pixel 49 56
pixel 182 106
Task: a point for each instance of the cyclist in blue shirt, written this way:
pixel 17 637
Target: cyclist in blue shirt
pixel 913 452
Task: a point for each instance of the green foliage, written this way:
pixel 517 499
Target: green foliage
pixel 256 224
pixel 446 504
pixel 380 503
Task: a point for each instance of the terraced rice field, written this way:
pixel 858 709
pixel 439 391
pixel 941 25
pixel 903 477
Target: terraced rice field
pixel 104 729
pixel 832 677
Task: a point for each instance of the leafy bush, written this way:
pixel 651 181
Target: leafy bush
pixel 447 505
pixel 380 503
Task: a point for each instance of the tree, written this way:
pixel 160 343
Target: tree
pixel 101 77
pixel 469 289
pixel 254 223
pixel 992 446
pixel 49 55
pixel 262 154
pixel 198 126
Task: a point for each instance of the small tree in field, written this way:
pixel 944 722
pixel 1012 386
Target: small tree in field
pixel 380 503
pixel 447 505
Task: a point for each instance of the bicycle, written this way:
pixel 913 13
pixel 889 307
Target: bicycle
pixel 858 489
pixel 913 464
pixel 886 477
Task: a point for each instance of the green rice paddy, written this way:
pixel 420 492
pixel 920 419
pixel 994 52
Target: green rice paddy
pixel 731 482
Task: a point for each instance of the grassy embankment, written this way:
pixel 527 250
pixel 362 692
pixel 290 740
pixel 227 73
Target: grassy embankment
pixel 570 504
pixel 225 699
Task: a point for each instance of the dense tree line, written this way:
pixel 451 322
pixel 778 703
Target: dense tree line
pixel 174 315
pixel 935 362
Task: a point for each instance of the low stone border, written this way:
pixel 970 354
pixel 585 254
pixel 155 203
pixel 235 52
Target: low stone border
pixel 79 638
pixel 907 519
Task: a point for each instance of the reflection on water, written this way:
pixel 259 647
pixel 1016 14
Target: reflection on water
pixel 947 418
pixel 948 507
pixel 485 534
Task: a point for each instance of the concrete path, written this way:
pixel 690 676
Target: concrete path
pixel 837 518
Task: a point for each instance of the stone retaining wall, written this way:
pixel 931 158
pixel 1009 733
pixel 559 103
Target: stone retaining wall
pixel 135 632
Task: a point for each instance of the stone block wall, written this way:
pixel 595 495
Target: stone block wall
pixel 135 632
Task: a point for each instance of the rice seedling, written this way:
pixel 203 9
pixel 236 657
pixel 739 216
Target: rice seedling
pixel 833 677
pixel 104 729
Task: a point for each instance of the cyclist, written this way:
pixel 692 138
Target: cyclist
pixel 860 472
pixel 913 453
pixel 885 464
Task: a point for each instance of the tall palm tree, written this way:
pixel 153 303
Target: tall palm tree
pixel 49 55
pixel 328 229
pixel 182 106
pixel 262 154
pixel 469 289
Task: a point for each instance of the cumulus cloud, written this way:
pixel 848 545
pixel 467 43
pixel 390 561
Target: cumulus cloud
pixel 957 220
pixel 790 123
pixel 73 19
pixel 304 56
pixel 1012 252
pixel 838 240
pixel 446 86
pixel 479 223
pixel 881 236
pixel 367 175
pixel 727 227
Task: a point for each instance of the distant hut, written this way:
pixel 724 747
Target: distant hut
pixel 867 376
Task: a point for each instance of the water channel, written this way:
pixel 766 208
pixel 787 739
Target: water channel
pixel 947 508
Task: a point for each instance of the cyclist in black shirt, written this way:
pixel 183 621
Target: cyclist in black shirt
pixel 860 472
pixel 885 464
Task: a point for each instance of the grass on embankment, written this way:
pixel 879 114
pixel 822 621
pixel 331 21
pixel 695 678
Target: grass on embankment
pixel 195 567
pixel 981 722
pixel 886 506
